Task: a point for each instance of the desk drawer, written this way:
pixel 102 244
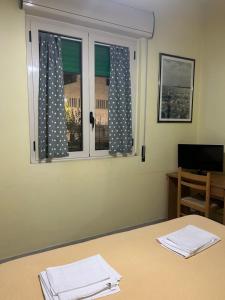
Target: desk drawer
pixel 218 192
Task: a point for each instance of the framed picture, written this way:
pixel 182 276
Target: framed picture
pixel 176 87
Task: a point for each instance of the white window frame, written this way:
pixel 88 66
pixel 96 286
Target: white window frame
pixel 88 38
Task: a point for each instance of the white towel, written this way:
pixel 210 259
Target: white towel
pixel 46 288
pixel 76 275
pixel 89 278
pixel 91 292
pixel 188 240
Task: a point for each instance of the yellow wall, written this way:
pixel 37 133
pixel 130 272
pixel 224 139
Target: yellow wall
pixel 211 127
pixel 48 204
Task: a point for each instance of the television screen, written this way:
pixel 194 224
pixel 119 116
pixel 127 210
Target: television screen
pixel 201 157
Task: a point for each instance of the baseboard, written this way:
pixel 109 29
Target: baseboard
pixel 123 229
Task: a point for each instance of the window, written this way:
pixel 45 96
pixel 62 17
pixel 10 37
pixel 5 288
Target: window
pixel 86 62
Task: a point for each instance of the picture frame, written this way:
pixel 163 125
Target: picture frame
pixel 176 88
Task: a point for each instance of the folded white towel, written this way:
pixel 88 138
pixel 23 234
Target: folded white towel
pixel 76 275
pixel 188 240
pixel 93 291
pixel 89 278
pixel 46 288
pixel 192 238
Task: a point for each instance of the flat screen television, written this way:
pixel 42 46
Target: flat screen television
pixel 201 157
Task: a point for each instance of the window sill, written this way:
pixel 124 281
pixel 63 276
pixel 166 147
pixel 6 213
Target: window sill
pixel 65 159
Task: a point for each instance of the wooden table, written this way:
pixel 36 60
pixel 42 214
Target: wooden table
pixel 217 190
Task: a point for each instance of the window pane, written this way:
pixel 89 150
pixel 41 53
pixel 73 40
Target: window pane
pixel 72 69
pixel 101 97
pixel 102 61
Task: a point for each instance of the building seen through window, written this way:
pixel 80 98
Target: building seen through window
pixel 71 53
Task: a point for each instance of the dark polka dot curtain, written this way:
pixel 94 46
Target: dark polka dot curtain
pixel 51 111
pixel 120 115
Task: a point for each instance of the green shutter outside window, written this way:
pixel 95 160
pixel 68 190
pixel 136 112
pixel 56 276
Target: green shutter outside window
pixel 71 56
pixel 102 61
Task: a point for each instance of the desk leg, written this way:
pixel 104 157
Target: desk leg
pixel 223 207
pixel 172 198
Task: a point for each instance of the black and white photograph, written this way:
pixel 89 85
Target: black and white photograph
pixel 176 86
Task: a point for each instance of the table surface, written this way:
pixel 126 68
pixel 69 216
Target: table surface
pixel 148 270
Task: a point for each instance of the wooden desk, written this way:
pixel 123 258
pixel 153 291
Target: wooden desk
pixel 217 190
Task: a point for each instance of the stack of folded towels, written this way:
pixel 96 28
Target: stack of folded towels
pixel 88 278
pixel 188 241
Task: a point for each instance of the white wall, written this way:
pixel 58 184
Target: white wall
pixel 47 204
pixel 212 114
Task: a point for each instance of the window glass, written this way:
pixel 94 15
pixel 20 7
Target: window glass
pixel 72 70
pixel 102 73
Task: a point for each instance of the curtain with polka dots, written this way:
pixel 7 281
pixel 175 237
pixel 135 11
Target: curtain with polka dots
pixel 120 115
pixel 51 112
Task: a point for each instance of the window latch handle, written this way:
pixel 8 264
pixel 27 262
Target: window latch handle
pixel 92 119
